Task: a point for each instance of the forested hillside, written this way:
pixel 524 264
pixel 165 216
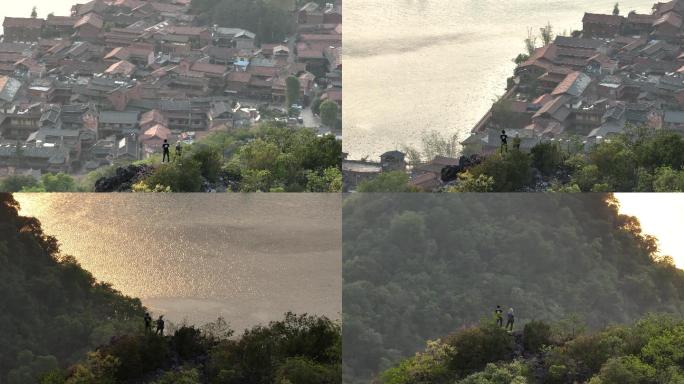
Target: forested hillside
pixel 647 352
pixel 51 310
pixel 419 267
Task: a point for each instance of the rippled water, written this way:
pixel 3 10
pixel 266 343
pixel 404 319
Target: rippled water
pixel 247 257
pixel 416 65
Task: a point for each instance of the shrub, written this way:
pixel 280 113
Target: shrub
pixel 627 370
pixel 536 334
pixel 476 347
pixel 209 161
pixel 188 342
pixel 184 177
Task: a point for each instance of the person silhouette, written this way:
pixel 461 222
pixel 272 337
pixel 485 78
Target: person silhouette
pixel 148 322
pixel 179 150
pixel 165 149
pixel 516 142
pixel 504 141
pixel 498 313
pixel 510 319
pixel 160 325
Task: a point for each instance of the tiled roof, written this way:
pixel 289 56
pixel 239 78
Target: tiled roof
pixel 596 18
pixel 23 22
pixel 90 19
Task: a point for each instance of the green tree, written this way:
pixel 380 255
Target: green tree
pixel 530 42
pixel 302 370
pixel 511 171
pixel 510 373
pixel 329 181
pixel 521 58
pixel 627 370
pixel 259 154
pixel 546 33
pixel 474 348
pixel 424 367
pixel 329 113
pixel 98 368
pixel 293 88
pixel 668 180
pixel 17 182
pixel 547 157
pixel 184 177
pixel 468 183
pixel 387 182
pixel 255 180
pixel 587 177
pixel 536 335
pixel 60 182
pixel 209 160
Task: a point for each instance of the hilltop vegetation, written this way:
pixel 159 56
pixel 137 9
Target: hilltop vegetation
pixel 637 161
pixel 648 352
pixel 299 349
pixel 60 326
pixel 265 158
pixel 417 267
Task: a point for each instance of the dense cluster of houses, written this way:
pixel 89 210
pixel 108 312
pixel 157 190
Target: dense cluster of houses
pixel 618 71
pixel 116 78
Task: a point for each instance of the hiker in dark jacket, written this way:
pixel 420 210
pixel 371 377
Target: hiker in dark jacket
pixel 160 325
pixel 166 155
pixel 504 141
pixel 510 319
pixel 148 323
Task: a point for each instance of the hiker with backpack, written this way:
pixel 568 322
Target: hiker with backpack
pixel 179 150
pixel 166 155
pixel 160 325
pixel 504 141
pixel 148 322
pixel 510 319
pixel 498 314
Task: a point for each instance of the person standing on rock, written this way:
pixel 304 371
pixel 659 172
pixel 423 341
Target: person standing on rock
pixel 510 319
pixel 504 141
pixel 179 150
pixel 498 314
pixel 160 325
pixel 148 323
pixel 165 150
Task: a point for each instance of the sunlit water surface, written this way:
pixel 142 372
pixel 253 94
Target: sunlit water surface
pixel 417 65
pixel 246 257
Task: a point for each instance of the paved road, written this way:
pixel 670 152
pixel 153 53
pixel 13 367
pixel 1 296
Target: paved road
pixel 310 121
